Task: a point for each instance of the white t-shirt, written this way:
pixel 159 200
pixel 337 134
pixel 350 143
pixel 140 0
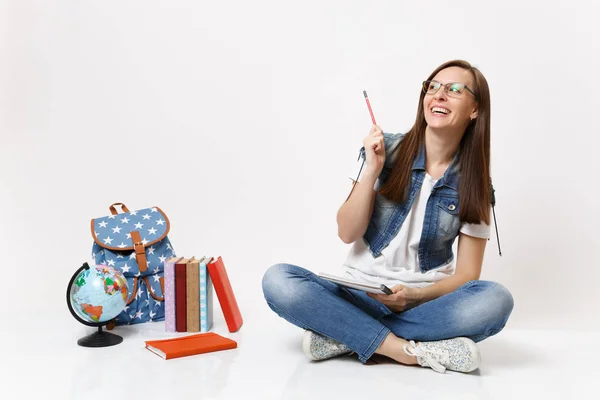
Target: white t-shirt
pixel 398 263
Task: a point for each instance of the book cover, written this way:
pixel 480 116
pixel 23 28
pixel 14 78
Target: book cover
pixel 225 295
pixel 206 295
pixel 190 345
pixel 192 296
pixel 169 268
pixel 181 295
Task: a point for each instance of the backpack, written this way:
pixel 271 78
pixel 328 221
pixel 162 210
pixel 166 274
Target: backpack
pixel 135 243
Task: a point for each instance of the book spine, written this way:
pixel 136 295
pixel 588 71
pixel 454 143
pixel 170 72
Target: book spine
pixel 192 298
pixel 206 309
pixel 180 298
pixel 225 294
pixel 170 297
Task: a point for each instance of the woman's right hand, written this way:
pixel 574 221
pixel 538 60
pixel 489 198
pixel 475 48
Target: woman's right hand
pixel 375 151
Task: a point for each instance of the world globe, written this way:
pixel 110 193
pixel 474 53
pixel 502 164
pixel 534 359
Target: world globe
pixel 95 296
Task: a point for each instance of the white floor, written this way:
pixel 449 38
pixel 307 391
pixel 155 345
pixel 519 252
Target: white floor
pixel 269 364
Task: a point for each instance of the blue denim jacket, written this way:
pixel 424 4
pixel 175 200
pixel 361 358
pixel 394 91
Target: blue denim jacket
pixel 441 223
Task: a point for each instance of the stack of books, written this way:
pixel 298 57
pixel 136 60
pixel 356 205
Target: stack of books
pixel 189 284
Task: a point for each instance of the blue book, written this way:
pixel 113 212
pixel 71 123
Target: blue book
pixel 206 297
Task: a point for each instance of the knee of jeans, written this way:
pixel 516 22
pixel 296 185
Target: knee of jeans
pixel 489 308
pixel 277 285
pixel 504 300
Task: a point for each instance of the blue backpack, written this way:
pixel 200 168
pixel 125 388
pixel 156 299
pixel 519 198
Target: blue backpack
pixel 135 243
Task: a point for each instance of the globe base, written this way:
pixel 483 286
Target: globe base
pixel 100 338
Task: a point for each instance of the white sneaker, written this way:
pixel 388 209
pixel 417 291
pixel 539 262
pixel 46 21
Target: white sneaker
pixel 317 347
pixel 458 354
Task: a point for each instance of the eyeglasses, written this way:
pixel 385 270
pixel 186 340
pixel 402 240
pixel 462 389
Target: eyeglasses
pixel 453 89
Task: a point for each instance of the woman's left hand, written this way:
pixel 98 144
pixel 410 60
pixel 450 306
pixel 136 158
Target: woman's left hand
pixel 402 298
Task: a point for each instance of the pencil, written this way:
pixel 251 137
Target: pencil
pixel 369 105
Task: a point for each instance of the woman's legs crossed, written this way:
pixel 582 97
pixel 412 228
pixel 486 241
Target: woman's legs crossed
pixel 477 310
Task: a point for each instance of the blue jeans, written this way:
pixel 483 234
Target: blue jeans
pixel 477 310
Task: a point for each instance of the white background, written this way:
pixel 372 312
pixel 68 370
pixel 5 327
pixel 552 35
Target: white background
pixel 241 120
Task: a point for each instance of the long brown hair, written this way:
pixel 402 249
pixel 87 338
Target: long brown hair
pixel 473 154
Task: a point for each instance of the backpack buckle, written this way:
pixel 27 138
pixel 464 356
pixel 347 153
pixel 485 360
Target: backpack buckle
pixel 140 251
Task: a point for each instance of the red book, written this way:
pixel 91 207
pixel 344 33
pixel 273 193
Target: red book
pixel 224 291
pixel 190 345
pixel 181 295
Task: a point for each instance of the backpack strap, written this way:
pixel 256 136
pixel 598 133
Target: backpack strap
pixel 140 251
pixel 113 211
pixel 493 202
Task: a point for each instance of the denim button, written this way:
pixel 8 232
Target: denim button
pixel 451 207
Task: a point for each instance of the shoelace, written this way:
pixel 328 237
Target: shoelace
pixel 432 357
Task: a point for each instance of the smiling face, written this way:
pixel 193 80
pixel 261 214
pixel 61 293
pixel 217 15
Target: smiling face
pixel 450 112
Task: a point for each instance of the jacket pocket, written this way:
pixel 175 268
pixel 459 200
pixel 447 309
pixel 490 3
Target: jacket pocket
pixel 449 222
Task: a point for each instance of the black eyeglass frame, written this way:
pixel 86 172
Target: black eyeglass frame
pixel 446 86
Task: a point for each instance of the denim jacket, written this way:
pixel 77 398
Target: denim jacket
pixel 441 223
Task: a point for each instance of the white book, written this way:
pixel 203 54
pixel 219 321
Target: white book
pixel 206 297
pixel 365 287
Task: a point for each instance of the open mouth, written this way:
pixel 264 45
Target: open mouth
pixel 440 111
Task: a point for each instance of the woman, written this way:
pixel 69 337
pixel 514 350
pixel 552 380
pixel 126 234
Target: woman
pixel 418 192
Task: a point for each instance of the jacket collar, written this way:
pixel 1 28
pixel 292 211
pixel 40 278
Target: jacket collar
pixel 451 176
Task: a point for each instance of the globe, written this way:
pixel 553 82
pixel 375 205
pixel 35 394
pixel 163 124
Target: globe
pixel 99 293
pixel 95 296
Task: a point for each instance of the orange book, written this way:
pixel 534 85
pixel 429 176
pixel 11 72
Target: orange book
pixel 190 345
pixel 222 285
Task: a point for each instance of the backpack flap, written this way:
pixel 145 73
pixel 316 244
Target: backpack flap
pixel 131 232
